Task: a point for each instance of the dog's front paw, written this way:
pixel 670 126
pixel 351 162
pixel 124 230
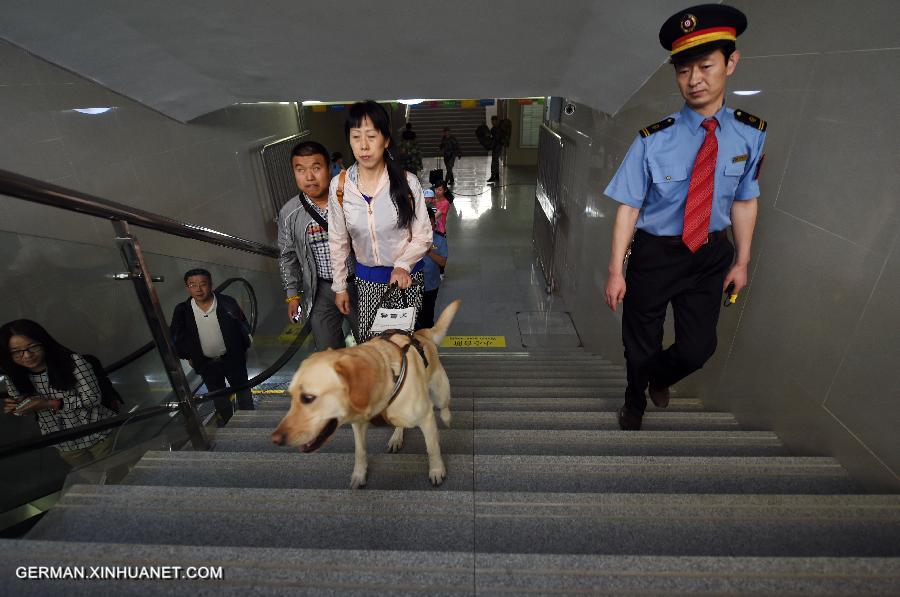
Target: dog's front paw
pixel 396 441
pixel 358 479
pixel 437 474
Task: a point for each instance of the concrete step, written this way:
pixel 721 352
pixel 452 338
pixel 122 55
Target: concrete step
pixel 550 384
pixel 584 474
pixel 548 523
pixel 653 421
pixel 462 377
pixel 245 570
pixel 281 403
pixel 534 574
pixel 313 572
pixel 537 442
pixel 569 368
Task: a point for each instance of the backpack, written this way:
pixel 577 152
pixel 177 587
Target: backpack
pixel 484 135
pixel 109 396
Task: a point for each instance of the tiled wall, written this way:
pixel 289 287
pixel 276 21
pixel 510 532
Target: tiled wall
pixel 56 263
pixel 811 348
pixel 129 154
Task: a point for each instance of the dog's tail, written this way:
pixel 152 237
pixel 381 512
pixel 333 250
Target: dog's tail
pixel 440 328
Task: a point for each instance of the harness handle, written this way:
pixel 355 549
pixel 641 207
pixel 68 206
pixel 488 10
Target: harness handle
pixel 388 292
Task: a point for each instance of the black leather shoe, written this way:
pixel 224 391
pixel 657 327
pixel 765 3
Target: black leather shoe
pixel 628 421
pixel 659 396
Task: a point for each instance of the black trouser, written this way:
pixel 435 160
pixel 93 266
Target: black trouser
pixel 662 270
pixel 326 321
pixel 448 165
pixel 426 314
pixel 495 163
pixel 234 369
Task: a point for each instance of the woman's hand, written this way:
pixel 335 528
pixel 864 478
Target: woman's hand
pixel 9 405
pixel 401 277
pixel 342 301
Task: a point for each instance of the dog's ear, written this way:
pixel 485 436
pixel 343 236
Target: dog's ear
pixel 359 377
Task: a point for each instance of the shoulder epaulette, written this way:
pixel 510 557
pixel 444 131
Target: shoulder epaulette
pixel 656 127
pixel 750 120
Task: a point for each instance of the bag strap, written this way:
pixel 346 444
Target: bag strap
pixel 313 212
pixel 342 178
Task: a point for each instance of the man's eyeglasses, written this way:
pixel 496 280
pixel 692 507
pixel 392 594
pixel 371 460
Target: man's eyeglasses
pixel 33 349
pixel 196 285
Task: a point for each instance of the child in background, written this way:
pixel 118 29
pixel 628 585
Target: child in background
pixel 443 199
pixel 337 163
pixel 428 194
pixel 435 260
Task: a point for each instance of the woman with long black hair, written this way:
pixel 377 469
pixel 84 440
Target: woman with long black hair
pixel 377 210
pixel 57 385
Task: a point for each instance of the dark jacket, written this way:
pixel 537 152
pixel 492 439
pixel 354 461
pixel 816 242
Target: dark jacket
pixel 235 330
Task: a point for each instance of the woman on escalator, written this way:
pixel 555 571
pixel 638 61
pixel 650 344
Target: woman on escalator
pixel 56 385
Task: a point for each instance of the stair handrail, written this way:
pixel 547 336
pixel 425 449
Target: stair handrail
pixel 27 445
pixel 37 191
pixel 121 217
pixel 252 318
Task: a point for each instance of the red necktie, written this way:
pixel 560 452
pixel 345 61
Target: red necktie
pixel 700 193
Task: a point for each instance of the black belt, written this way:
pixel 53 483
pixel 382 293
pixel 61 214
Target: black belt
pixel 713 236
pixel 329 280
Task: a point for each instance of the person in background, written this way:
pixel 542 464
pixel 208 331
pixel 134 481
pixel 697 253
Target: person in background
pixel 56 385
pixel 497 145
pixel 442 202
pixel 450 150
pixel 410 156
pixel 210 330
pixel 378 210
pixel 305 259
pixel 337 163
pixel 430 201
pixel 435 260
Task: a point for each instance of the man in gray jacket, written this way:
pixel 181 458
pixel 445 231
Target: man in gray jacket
pixel 305 261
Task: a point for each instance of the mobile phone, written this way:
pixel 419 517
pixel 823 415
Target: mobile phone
pixel 23 404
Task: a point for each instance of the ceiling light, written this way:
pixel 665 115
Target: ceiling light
pixel 748 92
pixel 92 110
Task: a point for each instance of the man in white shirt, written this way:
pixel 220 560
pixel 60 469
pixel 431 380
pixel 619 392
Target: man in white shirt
pixel 210 330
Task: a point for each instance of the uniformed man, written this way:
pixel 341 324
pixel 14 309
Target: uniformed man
pixel 683 182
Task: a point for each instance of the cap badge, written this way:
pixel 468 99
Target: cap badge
pixel 688 23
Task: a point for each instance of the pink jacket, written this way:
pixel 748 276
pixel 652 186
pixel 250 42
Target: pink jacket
pixel 371 228
pixel 440 219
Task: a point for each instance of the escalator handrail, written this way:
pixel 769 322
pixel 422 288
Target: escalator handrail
pixel 27 445
pixel 149 346
pixel 38 191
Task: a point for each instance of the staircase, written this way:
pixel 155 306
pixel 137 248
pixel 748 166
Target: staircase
pixel 544 495
pixel 429 123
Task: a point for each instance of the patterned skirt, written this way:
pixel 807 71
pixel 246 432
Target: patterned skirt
pixel 371 292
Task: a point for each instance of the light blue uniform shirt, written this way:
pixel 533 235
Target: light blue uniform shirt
pixel 656 172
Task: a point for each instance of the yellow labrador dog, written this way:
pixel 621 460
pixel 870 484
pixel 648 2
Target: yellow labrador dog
pixel 358 384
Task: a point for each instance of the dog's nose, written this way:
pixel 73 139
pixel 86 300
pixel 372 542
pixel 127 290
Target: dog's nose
pixel 278 438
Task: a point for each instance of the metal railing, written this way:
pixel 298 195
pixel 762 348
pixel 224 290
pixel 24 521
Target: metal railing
pixel 122 218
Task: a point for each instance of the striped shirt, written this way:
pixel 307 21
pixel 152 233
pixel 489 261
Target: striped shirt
pixel 317 239
pixel 80 405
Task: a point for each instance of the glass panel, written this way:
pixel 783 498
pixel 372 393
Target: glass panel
pixel 68 288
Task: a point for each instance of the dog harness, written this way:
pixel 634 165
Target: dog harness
pixel 379 420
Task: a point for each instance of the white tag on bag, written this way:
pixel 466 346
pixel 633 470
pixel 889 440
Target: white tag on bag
pixel 394 319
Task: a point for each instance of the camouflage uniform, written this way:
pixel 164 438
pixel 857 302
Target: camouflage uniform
pixel 410 157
